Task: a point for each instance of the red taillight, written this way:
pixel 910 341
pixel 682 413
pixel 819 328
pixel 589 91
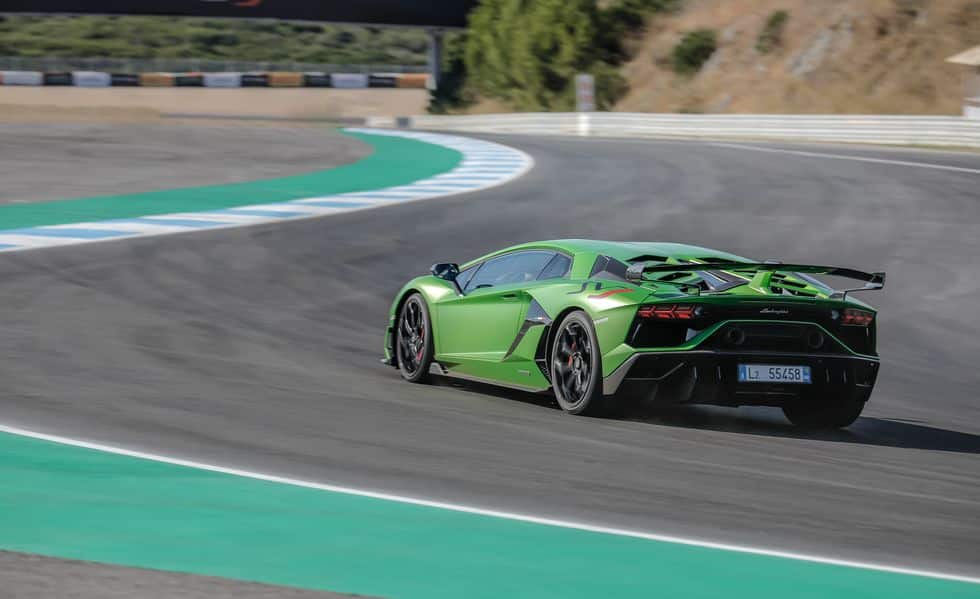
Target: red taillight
pixel 858 318
pixel 669 312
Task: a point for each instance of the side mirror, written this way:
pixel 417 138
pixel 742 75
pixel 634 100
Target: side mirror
pixel 447 271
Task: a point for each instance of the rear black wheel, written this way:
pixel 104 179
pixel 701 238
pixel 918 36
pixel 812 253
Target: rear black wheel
pixel 816 415
pixel 576 366
pixel 414 340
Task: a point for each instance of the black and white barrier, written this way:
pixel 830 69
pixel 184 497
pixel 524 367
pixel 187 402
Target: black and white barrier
pixel 218 80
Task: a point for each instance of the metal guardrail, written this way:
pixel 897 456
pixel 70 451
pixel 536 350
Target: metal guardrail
pixel 187 65
pixel 896 130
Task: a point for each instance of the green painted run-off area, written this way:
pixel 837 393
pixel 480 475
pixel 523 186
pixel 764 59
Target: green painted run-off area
pixel 85 504
pixel 394 161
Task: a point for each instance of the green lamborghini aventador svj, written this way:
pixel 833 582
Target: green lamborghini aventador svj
pixel 607 325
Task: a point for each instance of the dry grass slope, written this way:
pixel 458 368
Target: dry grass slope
pixel 836 56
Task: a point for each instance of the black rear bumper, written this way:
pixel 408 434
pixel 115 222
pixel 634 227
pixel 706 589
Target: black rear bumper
pixel 711 377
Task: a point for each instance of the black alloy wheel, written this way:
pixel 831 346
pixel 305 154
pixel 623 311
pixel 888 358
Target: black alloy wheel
pixel 576 371
pixel 414 340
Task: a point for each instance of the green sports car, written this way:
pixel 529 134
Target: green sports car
pixel 607 325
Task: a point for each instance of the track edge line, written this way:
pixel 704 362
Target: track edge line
pixel 586 527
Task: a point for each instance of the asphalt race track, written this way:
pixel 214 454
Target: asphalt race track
pixel 58 161
pixel 36 577
pixel 259 348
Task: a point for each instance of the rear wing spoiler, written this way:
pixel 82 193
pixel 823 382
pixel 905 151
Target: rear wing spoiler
pixel 872 280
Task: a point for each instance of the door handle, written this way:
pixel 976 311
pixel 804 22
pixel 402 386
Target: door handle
pixel 509 297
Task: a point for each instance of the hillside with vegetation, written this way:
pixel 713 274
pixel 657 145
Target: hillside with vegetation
pixel 525 55
pixel 710 56
pixel 209 39
pixel 718 56
pixel 800 56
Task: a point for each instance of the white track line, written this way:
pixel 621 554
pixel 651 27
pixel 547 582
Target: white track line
pixel 941 167
pixel 285 208
pixel 31 242
pixel 338 199
pixel 485 512
pixel 228 218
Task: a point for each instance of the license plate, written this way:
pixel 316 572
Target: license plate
pixel 773 373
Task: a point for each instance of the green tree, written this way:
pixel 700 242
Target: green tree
pixel 694 49
pixel 557 43
pixel 488 55
pixel 453 92
pixel 191 37
pixel 527 52
pixel 771 36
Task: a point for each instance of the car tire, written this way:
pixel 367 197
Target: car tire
pixel 819 415
pixel 576 367
pixel 413 340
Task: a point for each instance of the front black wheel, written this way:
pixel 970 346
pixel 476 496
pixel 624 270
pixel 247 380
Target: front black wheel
pixel 832 414
pixel 576 366
pixel 413 342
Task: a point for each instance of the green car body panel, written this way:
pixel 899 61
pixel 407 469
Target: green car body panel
pixel 498 334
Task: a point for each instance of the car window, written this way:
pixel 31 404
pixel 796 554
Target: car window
pixel 608 268
pixel 557 268
pixel 518 267
pixel 464 276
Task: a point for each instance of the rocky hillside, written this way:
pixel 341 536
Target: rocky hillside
pixel 823 56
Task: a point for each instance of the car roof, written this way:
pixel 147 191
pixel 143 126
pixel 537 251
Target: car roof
pixel 624 250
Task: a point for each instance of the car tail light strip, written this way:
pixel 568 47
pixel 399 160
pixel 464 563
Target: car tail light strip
pixel 669 312
pixel 859 318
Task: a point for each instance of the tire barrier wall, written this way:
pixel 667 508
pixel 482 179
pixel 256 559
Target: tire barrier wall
pixel 281 79
pixel 124 79
pixel 21 78
pixel 57 78
pixel 156 80
pixel 255 79
pixel 91 79
pixel 349 80
pixel 222 80
pixel 413 80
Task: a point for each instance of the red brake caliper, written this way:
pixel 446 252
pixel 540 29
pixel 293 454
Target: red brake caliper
pixel 418 355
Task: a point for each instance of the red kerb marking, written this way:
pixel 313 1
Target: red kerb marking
pixel 608 293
